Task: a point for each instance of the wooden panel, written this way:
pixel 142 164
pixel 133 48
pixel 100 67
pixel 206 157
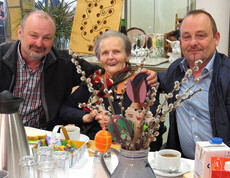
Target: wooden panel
pixel 15 19
pixel 13 3
pixel 14 15
pixel 92 18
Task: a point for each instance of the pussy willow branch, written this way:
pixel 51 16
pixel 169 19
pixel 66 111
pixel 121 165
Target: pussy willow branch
pixel 190 96
pixel 175 103
pixel 108 96
pixel 139 66
pixel 122 98
pixel 196 81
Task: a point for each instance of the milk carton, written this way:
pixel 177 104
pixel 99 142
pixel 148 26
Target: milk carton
pixel 204 151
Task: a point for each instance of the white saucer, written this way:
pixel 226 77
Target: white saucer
pixel 185 167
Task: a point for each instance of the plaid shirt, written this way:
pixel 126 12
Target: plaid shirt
pixel 28 87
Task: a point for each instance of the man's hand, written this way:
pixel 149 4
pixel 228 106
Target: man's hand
pixel 152 76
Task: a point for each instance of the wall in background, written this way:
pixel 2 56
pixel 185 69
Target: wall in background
pixel 158 16
pixel 220 10
pixel 140 13
pixel 166 12
pixel 155 15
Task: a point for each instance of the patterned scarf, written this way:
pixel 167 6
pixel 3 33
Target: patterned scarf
pixel 112 83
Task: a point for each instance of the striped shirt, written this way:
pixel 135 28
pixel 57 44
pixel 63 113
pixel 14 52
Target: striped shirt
pixel 28 87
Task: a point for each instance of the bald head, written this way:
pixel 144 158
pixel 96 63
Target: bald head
pixel 39 14
pixel 198 12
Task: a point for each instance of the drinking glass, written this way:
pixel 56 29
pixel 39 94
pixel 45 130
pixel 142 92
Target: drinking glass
pixel 3 174
pixel 62 161
pixel 106 154
pixel 98 171
pixel 43 154
pixel 27 167
pixel 47 169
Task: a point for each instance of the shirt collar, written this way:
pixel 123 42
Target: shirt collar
pixel 20 59
pixel 184 65
pixel 209 66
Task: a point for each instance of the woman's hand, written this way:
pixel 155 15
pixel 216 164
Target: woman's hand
pixel 102 120
pixel 88 118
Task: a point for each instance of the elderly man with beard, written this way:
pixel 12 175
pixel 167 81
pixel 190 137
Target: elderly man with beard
pixel 207 114
pixel 44 76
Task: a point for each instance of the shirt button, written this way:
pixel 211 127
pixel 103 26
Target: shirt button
pixel 196 136
pixel 191 107
pixel 193 118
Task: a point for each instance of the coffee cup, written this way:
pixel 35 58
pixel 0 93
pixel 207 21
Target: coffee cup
pixel 169 160
pixel 73 132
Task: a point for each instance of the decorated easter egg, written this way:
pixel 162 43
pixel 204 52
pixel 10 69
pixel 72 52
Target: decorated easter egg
pixel 121 129
pixel 103 141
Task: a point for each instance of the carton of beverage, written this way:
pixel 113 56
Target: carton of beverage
pixel 204 151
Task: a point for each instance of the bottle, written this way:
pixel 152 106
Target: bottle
pixel 123 27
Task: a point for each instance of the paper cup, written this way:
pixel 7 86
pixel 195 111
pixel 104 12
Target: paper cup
pixel 73 132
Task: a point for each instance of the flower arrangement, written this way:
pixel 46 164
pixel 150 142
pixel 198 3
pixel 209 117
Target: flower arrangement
pixel 137 134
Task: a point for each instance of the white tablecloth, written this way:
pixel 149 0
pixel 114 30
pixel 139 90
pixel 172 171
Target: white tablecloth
pixel 90 167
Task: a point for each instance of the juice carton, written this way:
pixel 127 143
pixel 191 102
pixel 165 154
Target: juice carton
pixel 204 151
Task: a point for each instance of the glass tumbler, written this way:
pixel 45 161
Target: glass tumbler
pixel 43 154
pixel 47 169
pixel 27 167
pixel 62 161
pixel 3 174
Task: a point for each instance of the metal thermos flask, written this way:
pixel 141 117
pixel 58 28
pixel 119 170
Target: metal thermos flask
pixel 13 140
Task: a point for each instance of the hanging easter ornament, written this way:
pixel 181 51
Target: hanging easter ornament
pixel 103 139
pixel 121 129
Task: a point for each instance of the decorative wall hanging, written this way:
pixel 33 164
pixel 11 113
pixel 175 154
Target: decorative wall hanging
pixel 92 18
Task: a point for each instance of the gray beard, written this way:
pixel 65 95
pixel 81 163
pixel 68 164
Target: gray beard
pixel 37 56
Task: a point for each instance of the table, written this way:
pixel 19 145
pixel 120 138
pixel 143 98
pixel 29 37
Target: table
pixel 156 64
pixel 90 167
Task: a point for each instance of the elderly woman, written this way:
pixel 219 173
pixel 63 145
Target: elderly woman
pixel 113 49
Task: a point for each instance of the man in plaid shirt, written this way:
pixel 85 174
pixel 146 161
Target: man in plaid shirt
pixel 32 69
